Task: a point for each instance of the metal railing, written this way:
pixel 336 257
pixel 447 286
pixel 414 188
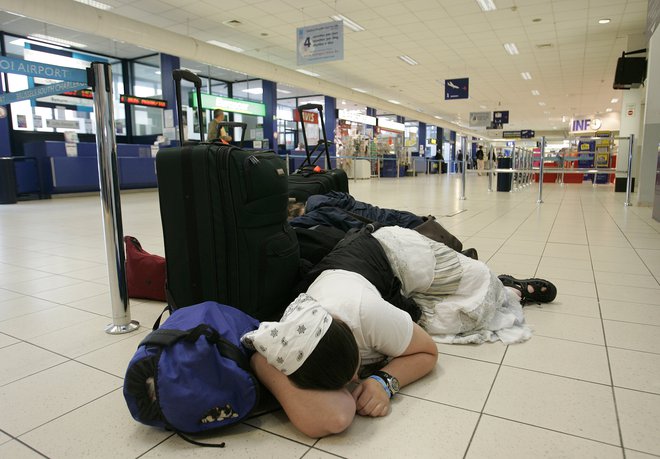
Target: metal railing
pixel 522 168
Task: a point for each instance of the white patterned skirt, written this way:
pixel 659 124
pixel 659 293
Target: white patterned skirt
pixel 464 302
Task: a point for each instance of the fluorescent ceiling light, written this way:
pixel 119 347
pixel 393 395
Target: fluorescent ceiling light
pixel 526 76
pixel 56 41
pixel 307 72
pixel 393 101
pixel 511 48
pixel 359 90
pixel 95 4
pixel 604 21
pixel 283 91
pixel 608 110
pixel 253 90
pixel 542 104
pixel 614 101
pixel 224 45
pixel 535 92
pixel 487 5
pixel 408 60
pixel 438 117
pixel 354 26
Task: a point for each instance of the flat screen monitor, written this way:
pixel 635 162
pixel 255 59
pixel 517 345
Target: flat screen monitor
pixel 630 72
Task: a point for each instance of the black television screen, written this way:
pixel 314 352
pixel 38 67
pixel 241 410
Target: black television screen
pixel 630 72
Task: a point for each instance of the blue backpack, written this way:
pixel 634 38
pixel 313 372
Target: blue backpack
pixel 192 374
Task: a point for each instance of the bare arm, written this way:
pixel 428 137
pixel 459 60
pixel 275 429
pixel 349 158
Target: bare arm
pixel 417 360
pixel 315 413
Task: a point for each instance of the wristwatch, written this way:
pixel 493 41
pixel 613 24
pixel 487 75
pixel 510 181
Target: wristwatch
pixel 391 381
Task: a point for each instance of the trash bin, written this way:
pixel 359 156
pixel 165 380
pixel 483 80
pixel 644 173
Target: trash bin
pixel 7 181
pixel 504 178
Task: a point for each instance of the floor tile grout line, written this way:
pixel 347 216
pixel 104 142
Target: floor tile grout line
pixel 483 406
pixel 607 353
pixel 626 209
pixel 69 412
pixel 553 430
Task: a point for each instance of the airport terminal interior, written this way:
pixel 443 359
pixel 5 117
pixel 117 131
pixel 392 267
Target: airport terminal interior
pixel 587 383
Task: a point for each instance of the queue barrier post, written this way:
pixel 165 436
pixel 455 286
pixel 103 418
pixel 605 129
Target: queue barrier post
pixel 100 79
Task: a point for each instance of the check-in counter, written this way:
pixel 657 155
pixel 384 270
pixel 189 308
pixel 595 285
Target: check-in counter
pixel 59 172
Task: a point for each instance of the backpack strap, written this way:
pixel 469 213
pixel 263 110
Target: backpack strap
pixel 164 337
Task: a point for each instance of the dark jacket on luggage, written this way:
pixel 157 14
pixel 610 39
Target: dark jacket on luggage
pixel 331 210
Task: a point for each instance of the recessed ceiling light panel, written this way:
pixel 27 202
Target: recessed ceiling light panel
pixel 307 72
pixel 486 5
pixel 224 45
pixel 56 41
pixel 511 48
pixel 95 4
pixel 354 26
pixel 408 60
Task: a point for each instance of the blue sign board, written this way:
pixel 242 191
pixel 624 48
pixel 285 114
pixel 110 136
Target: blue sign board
pixel 457 88
pixel 37 69
pixel 40 91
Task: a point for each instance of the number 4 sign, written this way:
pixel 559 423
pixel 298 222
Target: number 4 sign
pixel 320 43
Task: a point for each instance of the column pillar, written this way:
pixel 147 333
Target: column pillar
pixel 167 64
pixel 269 98
pixel 330 112
pixel 651 137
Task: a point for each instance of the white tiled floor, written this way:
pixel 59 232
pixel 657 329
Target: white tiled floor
pixel 586 385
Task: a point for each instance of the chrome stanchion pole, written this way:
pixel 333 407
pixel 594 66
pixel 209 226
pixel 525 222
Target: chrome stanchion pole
pixel 528 166
pixel 540 200
pixel 99 77
pixel 490 168
pixel 630 159
pixel 288 170
pixel 514 166
pixel 464 168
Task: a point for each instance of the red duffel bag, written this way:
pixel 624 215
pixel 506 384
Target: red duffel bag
pixel 145 272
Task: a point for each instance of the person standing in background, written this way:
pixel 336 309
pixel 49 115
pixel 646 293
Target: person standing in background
pixel 459 162
pixel 215 133
pixel 481 161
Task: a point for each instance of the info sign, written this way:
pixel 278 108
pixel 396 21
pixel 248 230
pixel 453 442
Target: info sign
pixel 320 43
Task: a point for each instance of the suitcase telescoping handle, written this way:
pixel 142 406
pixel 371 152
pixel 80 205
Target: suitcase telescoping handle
pixel 182 74
pixel 239 124
pixel 322 146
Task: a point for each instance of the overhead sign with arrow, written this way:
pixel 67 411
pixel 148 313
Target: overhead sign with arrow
pixel 457 88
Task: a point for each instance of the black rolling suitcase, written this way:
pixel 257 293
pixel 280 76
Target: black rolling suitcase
pixel 224 216
pixel 312 178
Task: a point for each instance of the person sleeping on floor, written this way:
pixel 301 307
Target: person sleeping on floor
pixel 341 350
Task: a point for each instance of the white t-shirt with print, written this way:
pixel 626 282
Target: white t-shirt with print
pixel 380 328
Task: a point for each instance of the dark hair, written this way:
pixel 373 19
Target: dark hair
pixel 217 112
pixel 333 362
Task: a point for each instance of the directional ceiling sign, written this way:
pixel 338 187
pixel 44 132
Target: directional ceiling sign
pixel 457 88
pixel 72 79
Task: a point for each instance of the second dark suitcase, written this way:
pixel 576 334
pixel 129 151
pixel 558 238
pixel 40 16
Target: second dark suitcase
pixel 312 178
pixel 224 216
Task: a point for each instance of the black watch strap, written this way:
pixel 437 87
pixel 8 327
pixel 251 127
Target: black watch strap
pixel 391 381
